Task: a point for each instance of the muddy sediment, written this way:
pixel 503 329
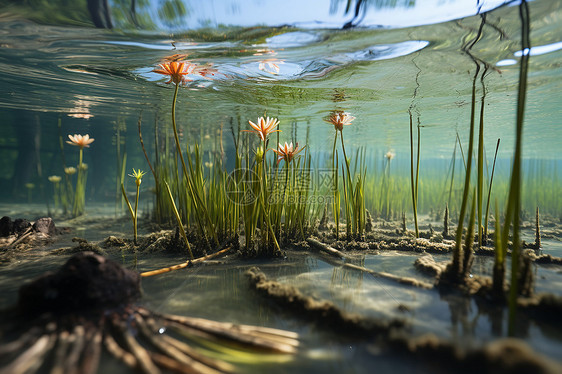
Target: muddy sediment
pixel 501 356
pixel 321 312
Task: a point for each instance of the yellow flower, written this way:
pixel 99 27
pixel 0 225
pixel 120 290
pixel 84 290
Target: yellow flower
pixel 137 174
pixel 54 179
pixel 339 119
pixel 80 141
pixel 264 127
pixel 287 152
pixel 70 170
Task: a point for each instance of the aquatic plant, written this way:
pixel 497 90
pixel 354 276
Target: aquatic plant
pixel 285 152
pixel 180 223
pixel 457 251
pixel 386 184
pixel 29 186
pixel 81 141
pixel 293 203
pixel 468 257
pixel 414 181
pixel 263 128
pixel 500 255
pixel 485 235
pixel 137 174
pixel 354 201
pixel 55 180
pixel 446 222
pixel 514 198
pixel 68 195
pixel 480 162
pixel 121 164
pixel 177 72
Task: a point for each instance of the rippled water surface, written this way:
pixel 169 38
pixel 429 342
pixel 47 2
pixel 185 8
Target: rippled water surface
pixel 91 77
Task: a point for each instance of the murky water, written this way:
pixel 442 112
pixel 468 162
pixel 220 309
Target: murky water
pixel 60 75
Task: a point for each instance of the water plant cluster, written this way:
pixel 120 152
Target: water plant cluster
pixel 70 194
pixel 267 197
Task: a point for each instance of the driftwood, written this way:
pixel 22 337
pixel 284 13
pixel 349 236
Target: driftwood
pixel 185 264
pixel 402 280
pixel 326 248
pixel 340 255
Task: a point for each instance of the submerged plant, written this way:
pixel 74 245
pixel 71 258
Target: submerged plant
pixel 385 186
pixel 81 141
pixel 180 223
pixel 353 193
pixel 55 180
pixel 485 235
pixel 291 203
pixel 514 200
pixel 30 187
pixel 178 71
pixel 68 195
pixel 137 174
pixel 263 128
pixel 414 181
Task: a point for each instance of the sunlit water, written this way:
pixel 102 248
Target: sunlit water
pixel 397 58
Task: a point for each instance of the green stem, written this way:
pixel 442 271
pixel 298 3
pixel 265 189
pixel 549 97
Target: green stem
pixel 350 188
pixel 335 168
pixel 136 215
pixel 412 180
pixel 480 174
pixel 418 169
pixel 131 211
pixel 515 186
pixel 263 200
pixel 457 250
pixel 195 197
pixel 178 218
pixel 490 193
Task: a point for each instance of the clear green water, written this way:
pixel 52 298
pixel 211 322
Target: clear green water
pixel 92 79
pixel 55 65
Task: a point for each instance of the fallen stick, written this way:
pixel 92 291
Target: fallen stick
pixel 403 280
pixel 334 252
pixel 326 248
pixel 184 265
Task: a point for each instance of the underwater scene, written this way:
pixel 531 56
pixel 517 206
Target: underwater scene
pixel 319 186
